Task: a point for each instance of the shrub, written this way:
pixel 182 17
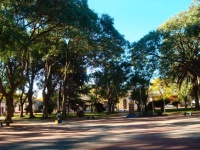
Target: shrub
pixel 98 107
pixel 159 113
pixel 80 113
pixel 175 103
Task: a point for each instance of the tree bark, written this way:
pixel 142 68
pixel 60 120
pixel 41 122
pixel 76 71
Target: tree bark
pixel 30 91
pixel 46 90
pixel 9 107
pixel 185 101
pixel 46 99
pixel 30 95
pixel 65 84
pixel 64 103
pixel 196 96
pixel 195 88
pixel 21 110
pixel 113 108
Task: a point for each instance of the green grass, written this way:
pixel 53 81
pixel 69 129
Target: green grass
pixel 181 110
pixel 176 111
pixel 103 114
pixel 38 116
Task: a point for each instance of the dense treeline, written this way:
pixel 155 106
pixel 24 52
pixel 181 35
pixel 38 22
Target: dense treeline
pixel 173 52
pixel 50 42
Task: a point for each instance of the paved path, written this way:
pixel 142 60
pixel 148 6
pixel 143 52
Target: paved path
pixel 168 132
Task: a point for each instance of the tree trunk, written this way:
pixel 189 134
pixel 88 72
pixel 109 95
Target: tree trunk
pixel 113 108
pixel 145 104
pixel 185 101
pixel 109 97
pixel 109 106
pixel 22 104
pixel 21 110
pixel 64 103
pixel 9 108
pixel 47 89
pixel 138 106
pixel 46 98
pixel 196 97
pixel 162 108
pixel 30 95
pixel 195 88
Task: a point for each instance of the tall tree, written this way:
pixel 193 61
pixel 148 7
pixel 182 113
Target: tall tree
pixel 180 48
pixel 112 82
pixel 13 63
pixel 145 61
pixel 26 23
pixel 110 47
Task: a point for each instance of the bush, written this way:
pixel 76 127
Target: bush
pixel 80 113
pixel 98 107
pixel 175 103
pixel 159 113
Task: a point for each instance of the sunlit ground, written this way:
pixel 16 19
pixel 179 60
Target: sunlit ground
pixel 168 132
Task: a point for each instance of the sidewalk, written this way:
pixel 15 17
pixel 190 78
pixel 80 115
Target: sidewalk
pixel 168 132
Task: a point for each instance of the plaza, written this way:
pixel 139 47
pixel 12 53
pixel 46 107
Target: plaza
pixel 160 132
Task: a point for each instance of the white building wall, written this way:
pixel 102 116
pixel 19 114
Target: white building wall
pixel 17 107
pixel 2 107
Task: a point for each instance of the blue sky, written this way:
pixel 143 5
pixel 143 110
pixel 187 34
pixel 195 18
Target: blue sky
pixel 135 18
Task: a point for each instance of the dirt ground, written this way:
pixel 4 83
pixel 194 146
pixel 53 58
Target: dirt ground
pixel 177 132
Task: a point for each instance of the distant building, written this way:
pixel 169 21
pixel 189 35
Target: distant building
pixel 2 107
pixel 36 106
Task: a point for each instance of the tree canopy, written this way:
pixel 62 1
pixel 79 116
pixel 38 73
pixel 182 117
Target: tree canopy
pixel 52 44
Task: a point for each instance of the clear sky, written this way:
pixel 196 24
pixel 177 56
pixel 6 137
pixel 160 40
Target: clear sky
pixel 135 18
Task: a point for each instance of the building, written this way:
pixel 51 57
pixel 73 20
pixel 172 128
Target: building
pixel 37 105
pixel 2 107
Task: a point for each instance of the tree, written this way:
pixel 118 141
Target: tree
pixel 180 48
pixel 139 86
pixel 110 46
pixel 27 23
pixel 22 99
pixel 11 78
pixel 184 92
pixel 54 41
pixel 112 82
pixel 13 63
pixel 162 90
pixel 145 61
pixel 145 54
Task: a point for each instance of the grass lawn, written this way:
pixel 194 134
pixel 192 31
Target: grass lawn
pixel 38 116
pixel 172 111
pixel 181 111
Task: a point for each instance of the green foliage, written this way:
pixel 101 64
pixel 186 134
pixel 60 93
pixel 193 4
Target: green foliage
pixel 144 55
pixel 77 104
pixel 159 113
pixel 111 81
pixel 180 48
pixel 175 103
pixel 98 107
pixel 160 103
pixel 80 113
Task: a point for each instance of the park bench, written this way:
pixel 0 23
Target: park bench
pixel 7 123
